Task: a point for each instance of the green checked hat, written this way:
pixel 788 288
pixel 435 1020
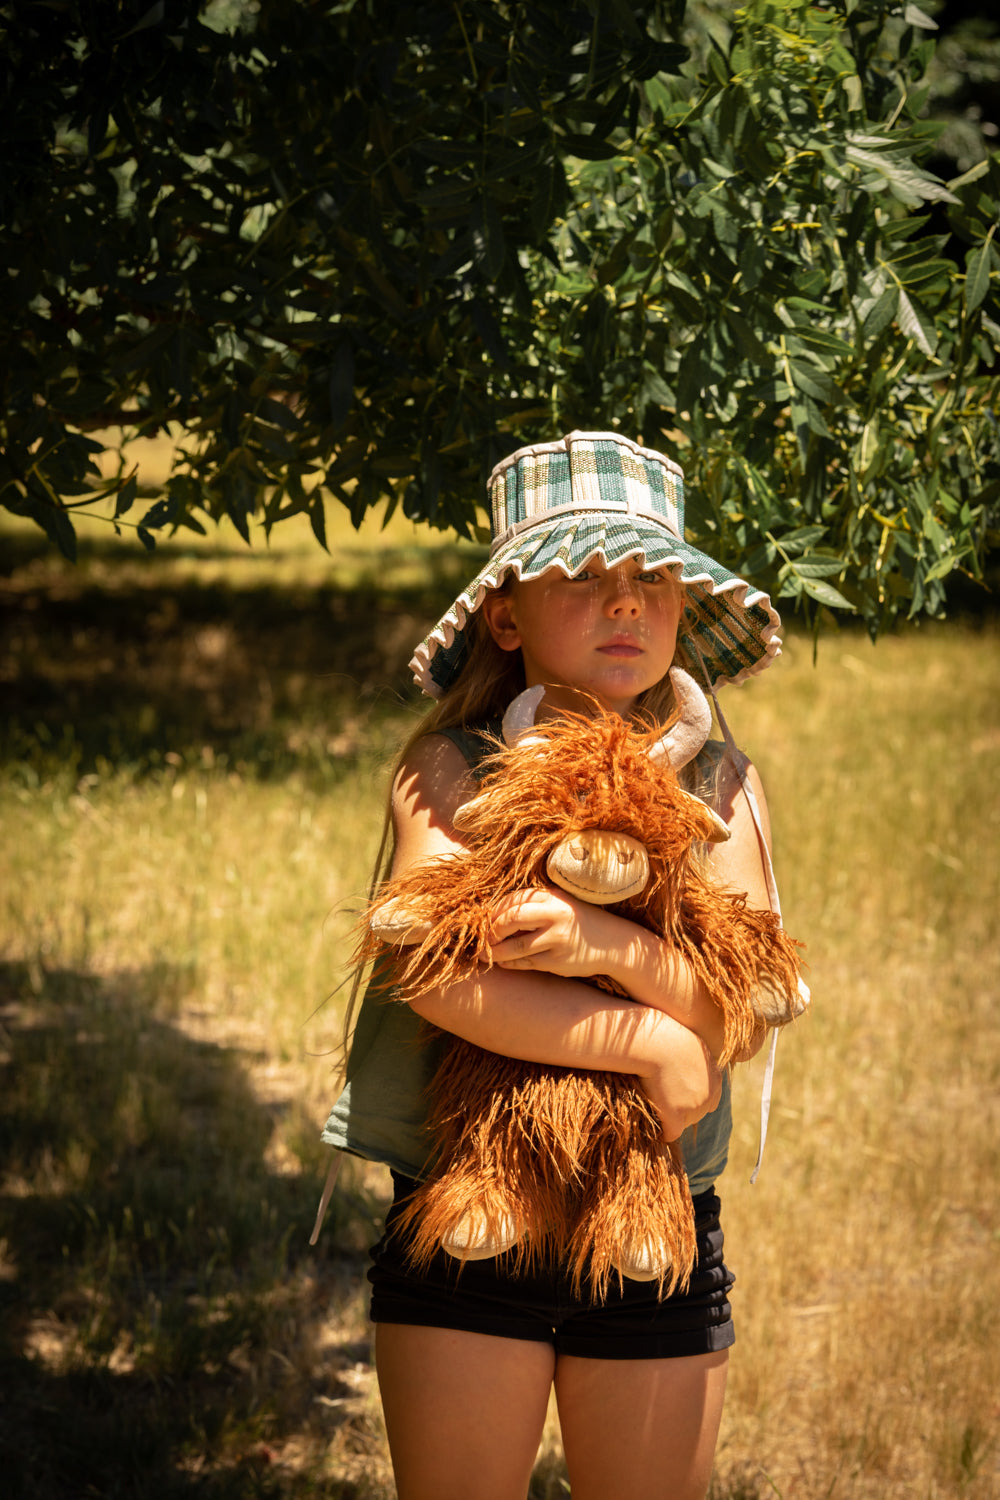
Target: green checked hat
pixel 597 494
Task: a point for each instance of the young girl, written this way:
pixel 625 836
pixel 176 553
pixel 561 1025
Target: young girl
pixel 592 591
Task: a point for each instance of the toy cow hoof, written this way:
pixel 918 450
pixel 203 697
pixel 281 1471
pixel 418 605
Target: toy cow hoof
pixel 397 924
pixel 470 1237
pixel 649 1261
pixel 773 1005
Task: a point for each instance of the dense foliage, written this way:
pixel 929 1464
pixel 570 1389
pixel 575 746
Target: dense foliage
pixel 375 246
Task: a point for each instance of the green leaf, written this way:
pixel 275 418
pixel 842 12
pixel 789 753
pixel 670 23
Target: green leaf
pixel 906 181
pixel 972 175
pixel 56 524
pixel 488 238
pixel 161 513
pixel 549 193
pixel 825 593
pixel 140 354
pixel 854 89
pixel 588 147
pixel 761 558
pixel 813 381
pixel 977 276
pixel 617 261
pixel 916 325
pixel 914 16
pixel 279 413
pixel 125 497
pixel 919 273
pixel 823 339
pixel 317 520
pixel 814 565
pixel 340 386
pixel 801 538
pixel 881 313
pixel 152 17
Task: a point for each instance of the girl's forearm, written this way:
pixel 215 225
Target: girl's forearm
pixel 545 931
pixel 656 974
pixel 545 1018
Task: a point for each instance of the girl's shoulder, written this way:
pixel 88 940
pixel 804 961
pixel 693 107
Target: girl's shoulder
pixel 715 755
pixel 474 742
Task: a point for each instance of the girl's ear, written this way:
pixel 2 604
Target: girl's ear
pixel 498 612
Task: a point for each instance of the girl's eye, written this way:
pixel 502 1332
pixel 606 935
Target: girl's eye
pixel 651 575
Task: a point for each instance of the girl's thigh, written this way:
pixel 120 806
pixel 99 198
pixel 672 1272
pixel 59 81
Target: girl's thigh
pixel 640 1429
pixel 464 1412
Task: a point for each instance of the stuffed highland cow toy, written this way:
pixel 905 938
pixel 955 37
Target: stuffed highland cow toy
pixel 535 1159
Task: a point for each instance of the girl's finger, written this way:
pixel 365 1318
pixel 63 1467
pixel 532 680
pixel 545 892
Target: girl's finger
pixel 524 961
pixel 516 914
pixel 519 945
pixel 512 906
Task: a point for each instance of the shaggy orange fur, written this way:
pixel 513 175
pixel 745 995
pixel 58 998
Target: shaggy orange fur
pixel 575 1159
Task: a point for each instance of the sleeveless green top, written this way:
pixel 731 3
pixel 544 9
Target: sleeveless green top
pixel 380 1113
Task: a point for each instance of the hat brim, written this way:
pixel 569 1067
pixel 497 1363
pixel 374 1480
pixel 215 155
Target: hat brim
pixel 728 631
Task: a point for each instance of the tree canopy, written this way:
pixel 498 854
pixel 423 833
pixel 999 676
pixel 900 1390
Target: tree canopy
pixel 366 249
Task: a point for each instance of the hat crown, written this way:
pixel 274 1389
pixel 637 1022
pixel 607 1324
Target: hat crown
pixel 601 471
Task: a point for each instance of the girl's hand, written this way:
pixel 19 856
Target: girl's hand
pixel 548 931
pixel 684 1084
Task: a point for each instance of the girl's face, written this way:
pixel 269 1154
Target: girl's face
pixel 606 631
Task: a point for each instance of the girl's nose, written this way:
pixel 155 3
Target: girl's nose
pixel 623 596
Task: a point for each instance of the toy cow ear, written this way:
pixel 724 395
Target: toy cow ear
pixel 685 738
pixel 713 830
pixel 466 814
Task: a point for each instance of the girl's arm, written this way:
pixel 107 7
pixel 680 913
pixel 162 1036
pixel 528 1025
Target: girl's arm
pixel 543 1016
pixel 548 930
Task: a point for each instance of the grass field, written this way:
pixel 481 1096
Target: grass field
pixel 192 762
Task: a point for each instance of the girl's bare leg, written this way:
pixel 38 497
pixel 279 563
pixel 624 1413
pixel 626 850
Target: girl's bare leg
pixel 642 1429
pixel 464 1411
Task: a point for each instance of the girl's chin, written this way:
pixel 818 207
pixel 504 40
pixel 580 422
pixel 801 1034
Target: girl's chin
pixel 580 700
pixel 614 690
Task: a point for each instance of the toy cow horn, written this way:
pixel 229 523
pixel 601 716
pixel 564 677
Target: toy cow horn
pixel 518 722
pixel 520 715
pixel 685 738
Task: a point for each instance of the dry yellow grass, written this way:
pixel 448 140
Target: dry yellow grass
pixel 171 923
pixel 867 1362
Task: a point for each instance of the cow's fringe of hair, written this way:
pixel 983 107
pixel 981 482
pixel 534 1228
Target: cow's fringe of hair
pixel 544 1147
pixel 644 1195
pixel 547 1150
pixel 591 773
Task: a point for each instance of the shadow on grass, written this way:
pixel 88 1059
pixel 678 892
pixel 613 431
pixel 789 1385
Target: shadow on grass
pixel 165 1327
pixel 128 667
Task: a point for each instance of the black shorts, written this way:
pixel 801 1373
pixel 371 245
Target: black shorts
pixel 631 1322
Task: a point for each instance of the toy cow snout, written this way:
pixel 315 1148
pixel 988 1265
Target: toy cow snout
pixel 599 867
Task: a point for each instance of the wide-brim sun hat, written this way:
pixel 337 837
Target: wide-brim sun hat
pixel 600 495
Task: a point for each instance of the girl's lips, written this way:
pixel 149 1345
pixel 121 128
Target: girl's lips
pixel 620 648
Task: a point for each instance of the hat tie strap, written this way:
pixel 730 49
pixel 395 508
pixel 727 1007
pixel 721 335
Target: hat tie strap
pixel 740 763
